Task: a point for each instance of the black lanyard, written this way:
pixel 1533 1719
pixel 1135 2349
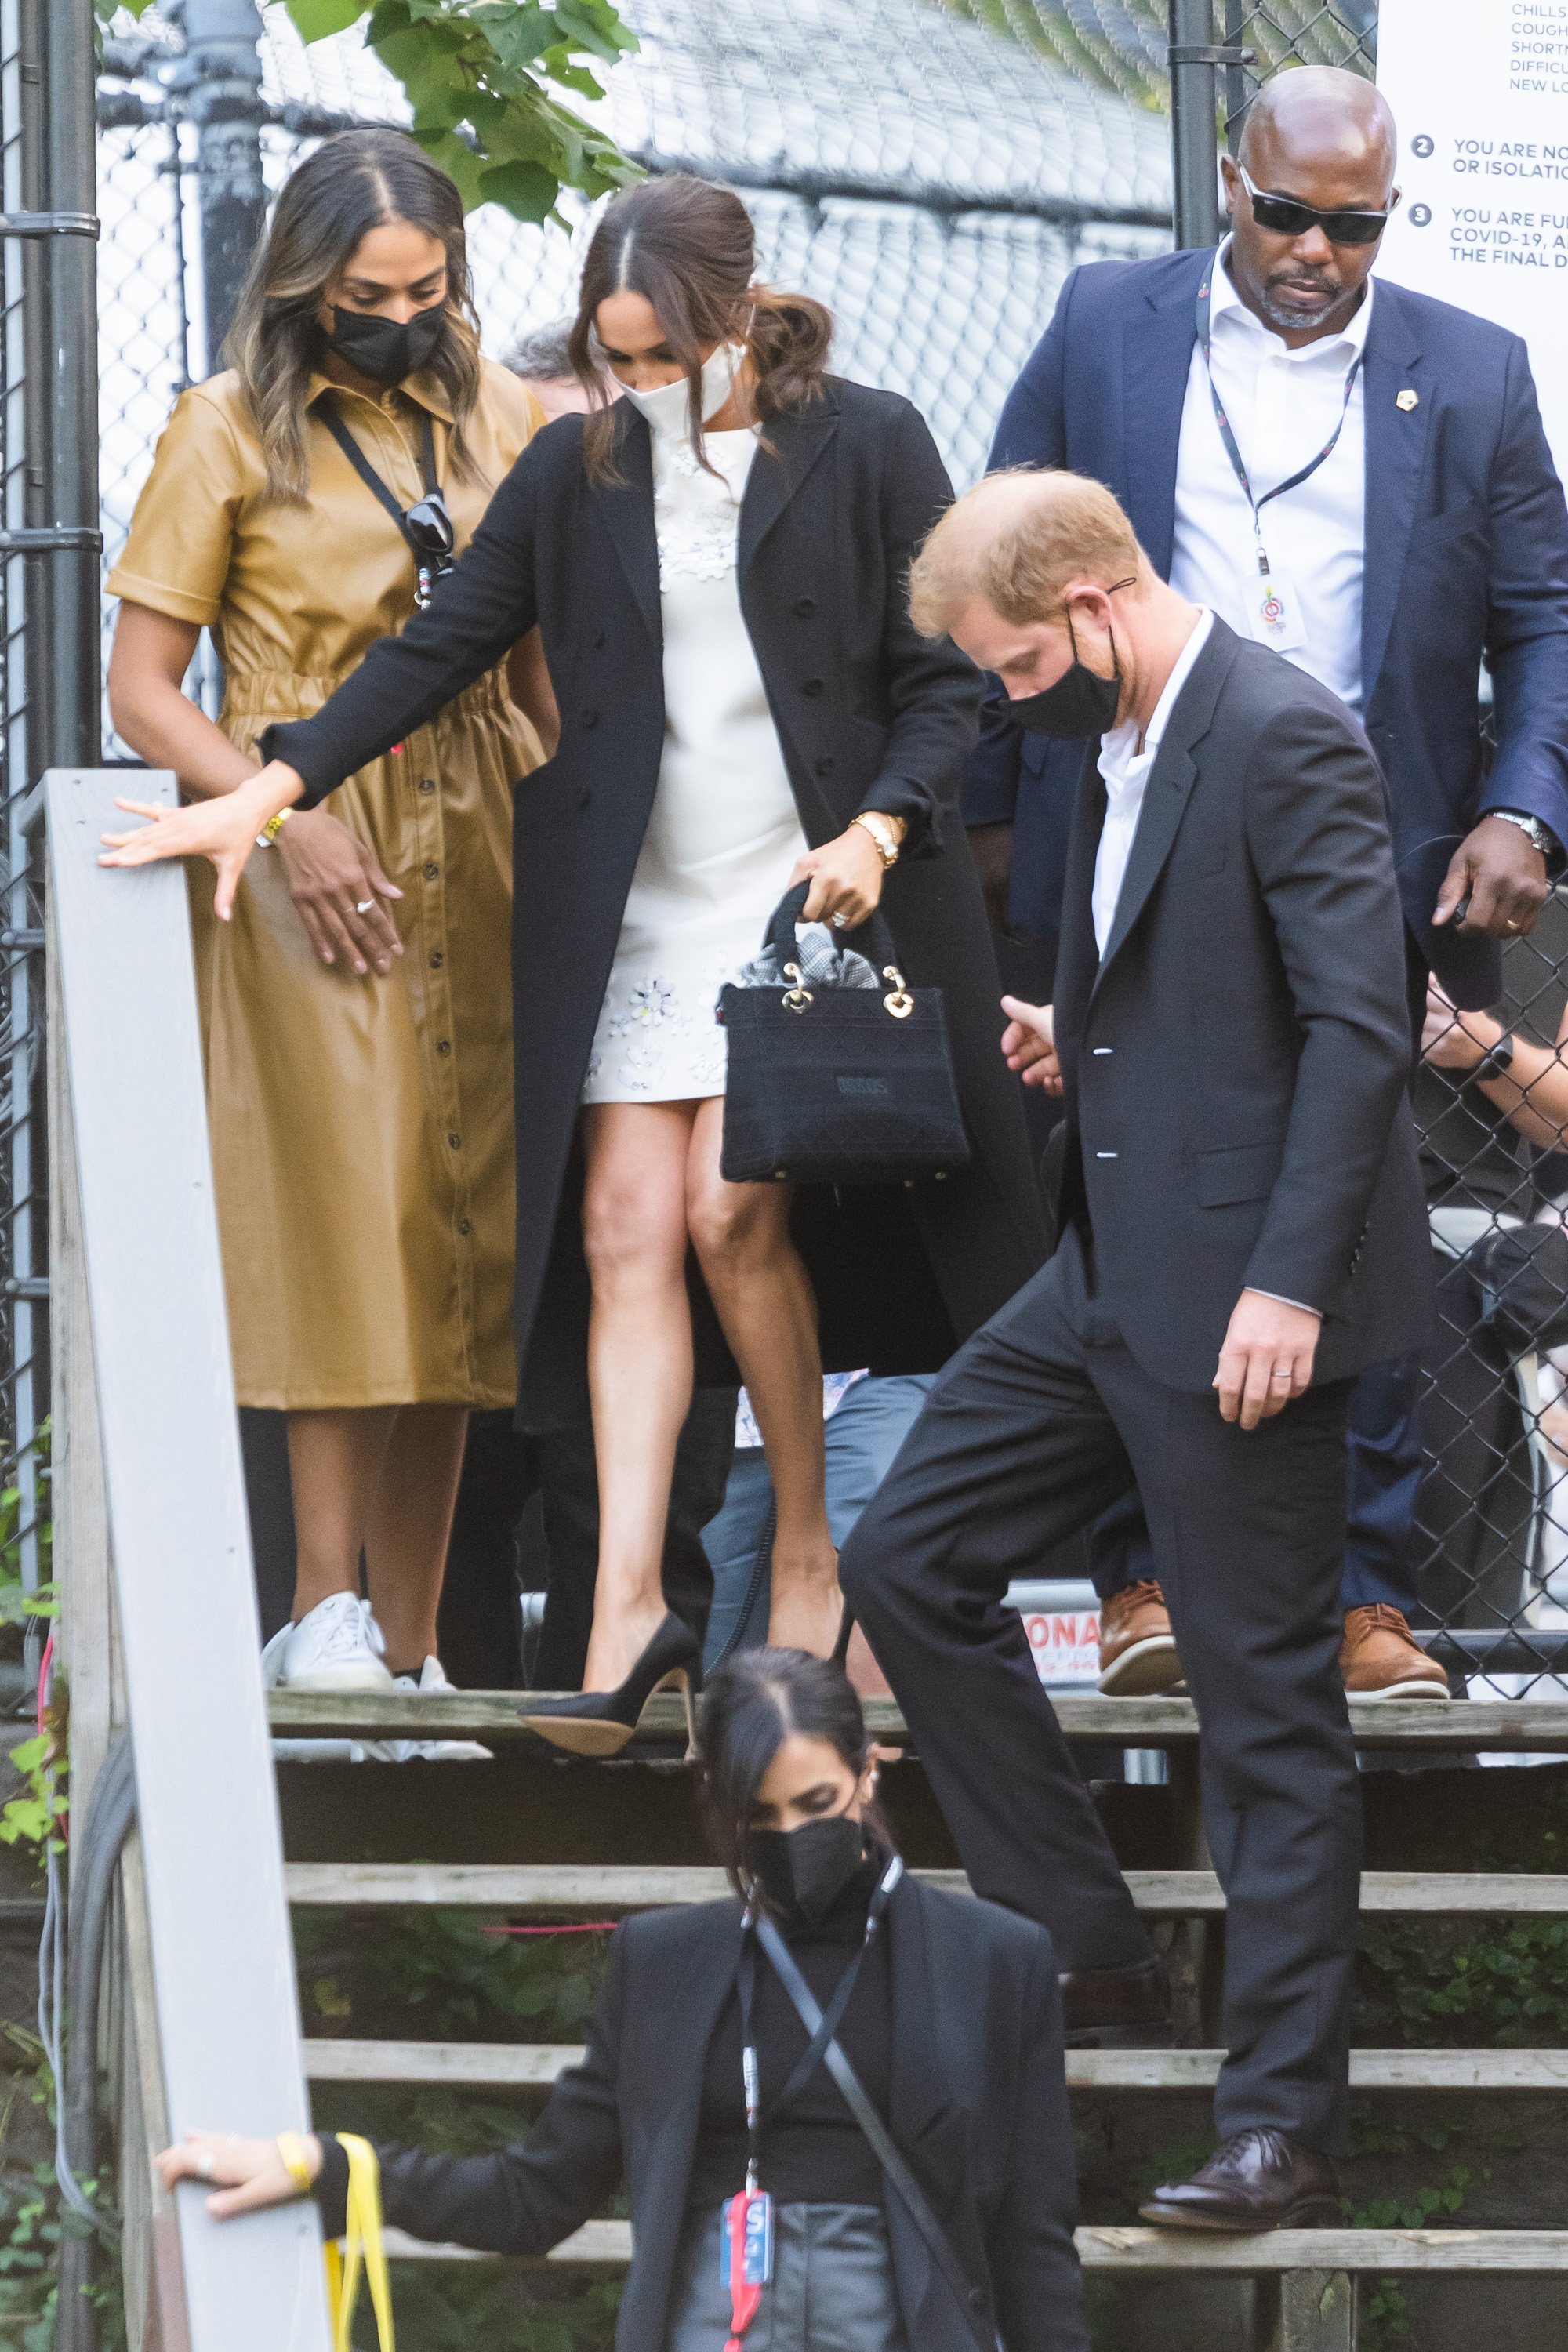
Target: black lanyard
pixel 426 526
pixel 832 2018
pixel 1304 473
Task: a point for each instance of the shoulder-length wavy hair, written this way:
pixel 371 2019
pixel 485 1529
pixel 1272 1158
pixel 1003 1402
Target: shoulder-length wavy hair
pixel 750 1707
pixel 357 182
pixel 689 249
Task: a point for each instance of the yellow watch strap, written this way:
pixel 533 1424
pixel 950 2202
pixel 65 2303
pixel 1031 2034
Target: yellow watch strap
pixel 296 2161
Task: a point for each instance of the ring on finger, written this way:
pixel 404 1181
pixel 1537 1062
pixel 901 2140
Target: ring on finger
pixel 1281 1372
pixel 839 922
pixel 1514 927
pixel 204 2163
pixel 364 906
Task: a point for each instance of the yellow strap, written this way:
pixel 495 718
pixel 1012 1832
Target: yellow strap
pixel 362 2242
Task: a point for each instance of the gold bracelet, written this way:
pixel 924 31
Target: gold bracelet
pixel 296 2162
pixel 880 829
pixel 272 828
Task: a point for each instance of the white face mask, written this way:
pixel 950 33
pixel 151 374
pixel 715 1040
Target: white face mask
pixel 667 407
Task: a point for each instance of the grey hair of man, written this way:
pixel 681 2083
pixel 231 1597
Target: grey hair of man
pixel 541 355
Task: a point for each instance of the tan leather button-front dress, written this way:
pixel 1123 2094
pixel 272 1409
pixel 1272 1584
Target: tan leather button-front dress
pixel 361 1130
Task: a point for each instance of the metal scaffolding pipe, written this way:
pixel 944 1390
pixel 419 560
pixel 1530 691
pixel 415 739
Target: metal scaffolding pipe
pixel 1195 59
pixel 221 81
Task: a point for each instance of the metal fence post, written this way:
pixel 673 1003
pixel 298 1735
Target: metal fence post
pixel 64 700
pixel 222 80
pixel 1194 59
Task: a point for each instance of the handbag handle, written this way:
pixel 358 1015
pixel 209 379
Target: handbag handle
pixel 790 911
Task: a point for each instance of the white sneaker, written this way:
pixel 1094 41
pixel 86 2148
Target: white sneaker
pixel 337 1646
pixel 432 1682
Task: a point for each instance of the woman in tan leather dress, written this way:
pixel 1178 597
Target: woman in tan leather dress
pixel 356 1013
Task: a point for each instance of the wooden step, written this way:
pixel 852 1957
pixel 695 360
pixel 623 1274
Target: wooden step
pixel 610 1890
pixel 496 1717
pixel 604 2245
pixel 527 2065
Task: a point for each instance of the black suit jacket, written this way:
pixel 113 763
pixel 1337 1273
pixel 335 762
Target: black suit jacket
pixel 1236 1064
pixel 979 2108
pixel 869 715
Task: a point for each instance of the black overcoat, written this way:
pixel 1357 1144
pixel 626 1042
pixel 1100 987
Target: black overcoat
pixel 978 2106
pixel 869 714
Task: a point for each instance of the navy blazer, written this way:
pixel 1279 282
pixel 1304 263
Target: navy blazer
pixel 1466 557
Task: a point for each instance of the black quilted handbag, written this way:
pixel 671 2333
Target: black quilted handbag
pixel 837 1085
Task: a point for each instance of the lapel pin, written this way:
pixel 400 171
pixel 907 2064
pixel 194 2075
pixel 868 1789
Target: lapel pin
pixel 1407 399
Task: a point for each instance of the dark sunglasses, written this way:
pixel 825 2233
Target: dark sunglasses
pixel 429 526
pixel 1286 217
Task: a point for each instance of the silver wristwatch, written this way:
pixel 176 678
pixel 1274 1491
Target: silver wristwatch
pixel 1540 836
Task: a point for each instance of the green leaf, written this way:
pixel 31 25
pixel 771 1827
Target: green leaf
pixel 314 20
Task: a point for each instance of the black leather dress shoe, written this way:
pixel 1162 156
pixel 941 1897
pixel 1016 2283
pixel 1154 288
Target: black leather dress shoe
pixel 1107 2008
pixel 1254 2180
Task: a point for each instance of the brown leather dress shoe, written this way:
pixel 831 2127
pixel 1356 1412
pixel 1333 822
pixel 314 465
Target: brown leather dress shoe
pixel 1254 2180
pixel 1137 1649
pixel 1380 1659
pixel 1123 2009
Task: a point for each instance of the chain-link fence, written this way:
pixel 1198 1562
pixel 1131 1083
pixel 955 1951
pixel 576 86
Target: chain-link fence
pixel 931 170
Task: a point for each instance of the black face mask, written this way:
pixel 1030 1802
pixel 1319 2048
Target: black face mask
pixel 1080 703
pixel 804 1872
pixel 388 349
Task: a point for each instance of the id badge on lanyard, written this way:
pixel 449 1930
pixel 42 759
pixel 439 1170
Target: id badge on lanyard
pixel 1273 613
pixel 1268 594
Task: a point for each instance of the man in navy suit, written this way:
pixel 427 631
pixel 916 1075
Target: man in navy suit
pixel 1357 475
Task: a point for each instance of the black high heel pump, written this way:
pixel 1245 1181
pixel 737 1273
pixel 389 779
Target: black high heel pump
pixel 600 1723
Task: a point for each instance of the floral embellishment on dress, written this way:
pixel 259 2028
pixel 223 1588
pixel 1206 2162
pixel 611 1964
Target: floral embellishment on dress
pixel 696 518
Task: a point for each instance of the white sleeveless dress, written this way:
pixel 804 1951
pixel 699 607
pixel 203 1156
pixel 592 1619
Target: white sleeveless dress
pixel 723 835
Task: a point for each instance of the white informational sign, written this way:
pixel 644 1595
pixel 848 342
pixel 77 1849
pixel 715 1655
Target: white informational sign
pixel 1480 90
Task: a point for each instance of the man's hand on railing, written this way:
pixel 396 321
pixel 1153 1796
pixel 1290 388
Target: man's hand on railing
pixel 224 829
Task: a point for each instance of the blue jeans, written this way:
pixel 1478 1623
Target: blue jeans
pixel 1382 1461
pixel 861 1440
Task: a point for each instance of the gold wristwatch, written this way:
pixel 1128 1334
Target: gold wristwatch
pixel 881 829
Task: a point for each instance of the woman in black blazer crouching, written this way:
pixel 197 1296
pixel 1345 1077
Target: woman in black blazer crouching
pixel 953 2027
pixel 717 564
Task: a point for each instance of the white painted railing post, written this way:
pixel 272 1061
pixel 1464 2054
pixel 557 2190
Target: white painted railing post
pixel 224 2004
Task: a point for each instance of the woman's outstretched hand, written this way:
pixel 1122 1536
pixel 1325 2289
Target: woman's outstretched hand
pixel 223 828
pixel 245 2174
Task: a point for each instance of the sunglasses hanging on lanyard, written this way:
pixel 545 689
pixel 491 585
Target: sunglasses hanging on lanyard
pixel 1272 601
pixel 426 525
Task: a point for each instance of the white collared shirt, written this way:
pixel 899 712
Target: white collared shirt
pixel 1283 406
pixel 1126 772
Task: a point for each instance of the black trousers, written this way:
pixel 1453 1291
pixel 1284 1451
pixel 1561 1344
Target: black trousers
pixel 1038 1423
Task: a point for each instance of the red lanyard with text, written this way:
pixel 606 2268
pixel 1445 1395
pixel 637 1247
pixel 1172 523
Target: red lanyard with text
pixel 1227 436
pixel 746 2249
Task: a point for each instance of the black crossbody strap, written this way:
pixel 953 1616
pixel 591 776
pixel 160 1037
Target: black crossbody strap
pixel 884 2146
pixel 362 465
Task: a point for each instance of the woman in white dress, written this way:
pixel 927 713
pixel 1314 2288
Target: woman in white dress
pixel 717 561
pixel 722 845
